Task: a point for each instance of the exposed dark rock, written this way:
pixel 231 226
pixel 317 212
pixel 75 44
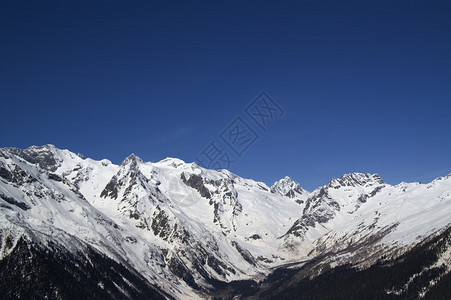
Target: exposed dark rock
pixel 111 189
pixel 376 190
pixel 264 259
pixel 6 174
pixel 217 265
pixel 160 224
pixel 319 208
pixel 262 187
pixel 131 239
pixel 42 156
pixel 181 271
pixel 244 253
pixel 196 182
pixel 255 237
pixel 134 215
pixel 3 154
pixel 290 194
pixel 55 177
pixel 16 175
pixel 316 200
pixel 13 201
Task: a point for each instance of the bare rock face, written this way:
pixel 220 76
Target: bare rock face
pixel 43 156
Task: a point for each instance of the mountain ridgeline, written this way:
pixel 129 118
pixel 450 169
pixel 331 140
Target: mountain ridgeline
pixel 76 228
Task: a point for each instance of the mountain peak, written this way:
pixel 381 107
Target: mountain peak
pixel 355 179
pixel 46 157
pixel 47 146
pixel 171 161
pixel 132 159
pixel 288 187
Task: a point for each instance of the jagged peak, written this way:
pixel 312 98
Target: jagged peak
pixel 43 147
pixel 34 149
pixel 287 186
pixel 46 156
pixel 288 179
pixel 355 179
pixel 285 180
pixel 132 159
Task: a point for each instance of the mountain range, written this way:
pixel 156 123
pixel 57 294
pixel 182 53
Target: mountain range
pixel 72 228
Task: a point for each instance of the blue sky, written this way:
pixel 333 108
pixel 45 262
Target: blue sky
pixel 364 86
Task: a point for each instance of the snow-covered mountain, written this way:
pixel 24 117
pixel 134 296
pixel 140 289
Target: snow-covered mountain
pixel 174 229
pixel 290 188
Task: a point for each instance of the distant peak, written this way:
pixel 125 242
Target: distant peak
pixel 287 186
pixel 131 156
pixel 132 159
pixel 288 179
pixel 47 146
pixel 43 148
pixel 171 161
pixel 46 156
pixel 355 179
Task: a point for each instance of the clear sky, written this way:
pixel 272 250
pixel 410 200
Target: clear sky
pixel 364 86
